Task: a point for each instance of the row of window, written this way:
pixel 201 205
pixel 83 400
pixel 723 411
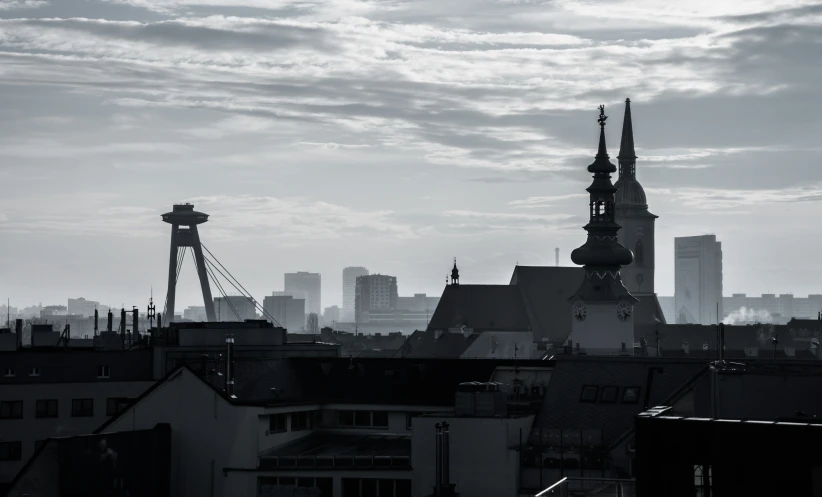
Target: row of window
pixel 307 420
pixel 13 451
pixel 374 487
pixel 304 420
pixel 267 485
pixel 102 372
pixel 48 408
pixel 609 394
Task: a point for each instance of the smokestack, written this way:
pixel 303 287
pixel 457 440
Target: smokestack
pixel 135 335
pixel 159 319
pixel 18 328
pixel 438 462
pixel 556 251
pixel 96 319
pixel 229 363
pixel 446 450
pixel 122 323
pixel 109 328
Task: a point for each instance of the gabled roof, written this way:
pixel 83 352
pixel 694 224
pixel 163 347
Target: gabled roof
pixel 562 407
pixel 480 307
pixel 545 291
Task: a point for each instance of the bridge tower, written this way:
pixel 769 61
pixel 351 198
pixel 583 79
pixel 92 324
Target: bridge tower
pixel 184 220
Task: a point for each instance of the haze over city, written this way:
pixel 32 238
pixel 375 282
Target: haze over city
pixel 395 135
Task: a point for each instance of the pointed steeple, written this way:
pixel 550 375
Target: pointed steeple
pixel 455 274
pixel 602 164
pixel 627 154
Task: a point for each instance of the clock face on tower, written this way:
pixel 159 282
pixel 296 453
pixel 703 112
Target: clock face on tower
pixel 579 311
pixel 623 311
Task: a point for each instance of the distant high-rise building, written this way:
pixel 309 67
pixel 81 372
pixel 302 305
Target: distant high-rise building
pixel 83 307
pixel 350 275
pixel 287 310
pixel 698 279
pixel 235 308
pixel 374 292
pixel 197 313
pixel 305 285
pixel 331 315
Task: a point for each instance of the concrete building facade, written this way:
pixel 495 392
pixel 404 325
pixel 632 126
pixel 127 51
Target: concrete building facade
pixel 350 275
pixel 698 280
pixel 287 310
pixel 307 286
pixel 375 292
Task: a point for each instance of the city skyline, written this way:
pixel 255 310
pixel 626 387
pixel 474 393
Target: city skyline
pixel 476 134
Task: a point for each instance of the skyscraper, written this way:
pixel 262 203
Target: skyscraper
pixel 698 279
pixel 305 285
pixel 375 292
pixel 287 310
pixel 350 275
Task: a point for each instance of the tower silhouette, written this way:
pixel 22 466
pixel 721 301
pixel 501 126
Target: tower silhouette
pixel 184 220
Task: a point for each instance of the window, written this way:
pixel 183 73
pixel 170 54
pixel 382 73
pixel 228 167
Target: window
pixel 103 371
pixel 34 371
pixel 609 395
pixel 277 423
pixel 380 419
pixel 702 480
pixel 82 408
pixel 630 395
pixel 11 451
pixel 11 409
pixel 589 393
pixel 302 420
pixel 373 487
pixel 45 408
pixel 8 373
pixel 363 419
pixel 116 405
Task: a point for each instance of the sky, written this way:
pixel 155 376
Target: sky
pixel 397 135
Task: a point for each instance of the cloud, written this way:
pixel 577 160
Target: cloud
pixel 22 4
pixel 714 199
pixel 295 219
pixel 532 202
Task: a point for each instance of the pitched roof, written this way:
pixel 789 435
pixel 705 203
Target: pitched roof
pixel 545 291
pixel 480 307
pixel 426 344
pixel 562 407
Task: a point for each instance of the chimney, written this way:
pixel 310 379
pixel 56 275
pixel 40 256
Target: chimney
pixel 18 328
pixel 135 334
pixel 96 320
pixel 446 450
pixel 123 323
pixel 438 462
pixel 556 251
pixel 159 319
pixel 110 321
pixel 686 348
pixel 229 365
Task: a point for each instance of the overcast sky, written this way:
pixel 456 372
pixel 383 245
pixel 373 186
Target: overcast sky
pixel 396 134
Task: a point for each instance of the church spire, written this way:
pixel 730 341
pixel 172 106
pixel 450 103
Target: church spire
pixel 627 155
pixel 455 274
pixel 602 255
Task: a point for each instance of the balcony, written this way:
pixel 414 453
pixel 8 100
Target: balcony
pixel 590 487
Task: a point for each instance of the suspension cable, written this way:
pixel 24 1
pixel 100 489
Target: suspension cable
pixel 222 292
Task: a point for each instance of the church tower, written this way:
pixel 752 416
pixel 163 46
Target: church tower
pixel 602 307
pixel 632 214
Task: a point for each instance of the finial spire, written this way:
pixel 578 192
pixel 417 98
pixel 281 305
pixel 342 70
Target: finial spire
pixel 627 155
pixel 601 163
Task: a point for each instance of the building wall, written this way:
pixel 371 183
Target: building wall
pixel 287 310
pixel 601 329
pixel 350 275
pixel 208 434
pixel 308 285
pixel 698 279
pixel 243 307
pixel 30 428
pixel 482 461
pixel 375 292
